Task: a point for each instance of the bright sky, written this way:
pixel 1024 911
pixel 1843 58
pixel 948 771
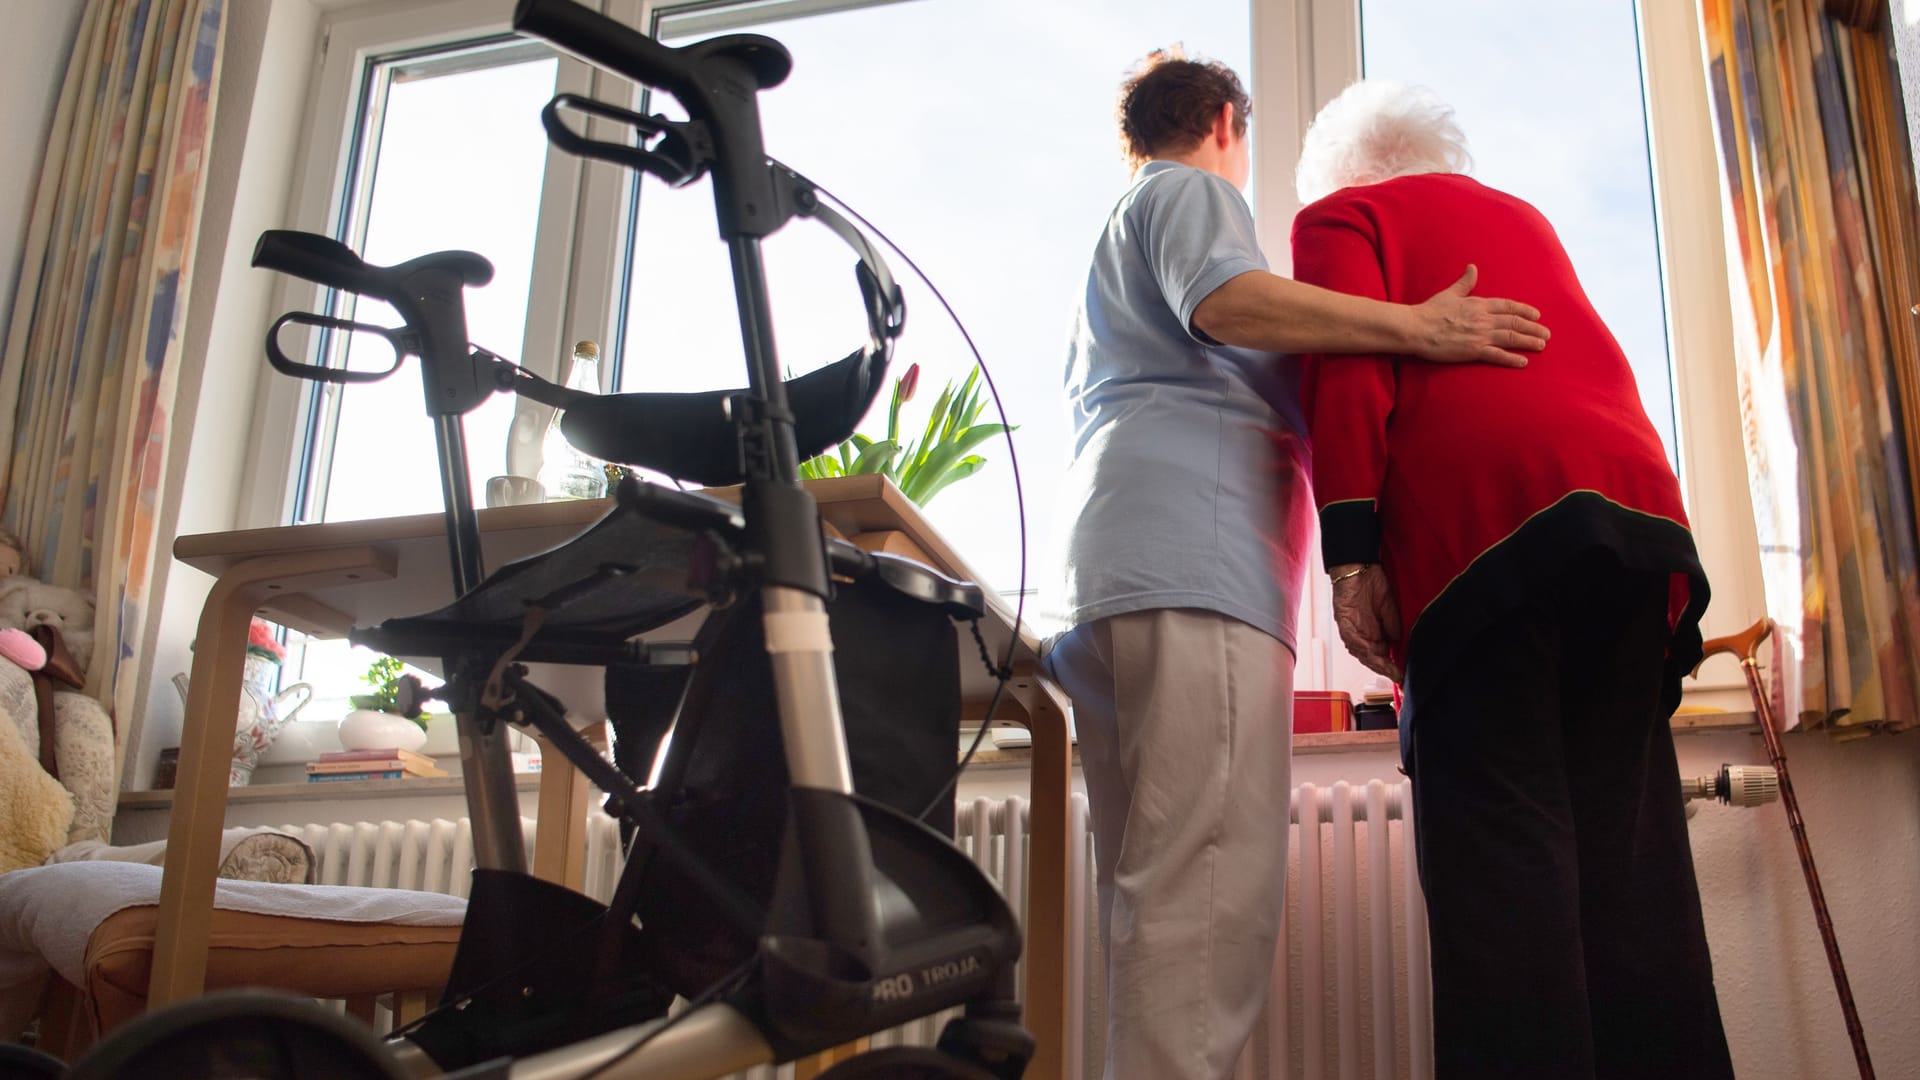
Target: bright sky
pixel 996 175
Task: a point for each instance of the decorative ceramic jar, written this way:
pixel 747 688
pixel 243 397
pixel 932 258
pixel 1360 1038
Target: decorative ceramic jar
pixel 261 715
pixel 370 729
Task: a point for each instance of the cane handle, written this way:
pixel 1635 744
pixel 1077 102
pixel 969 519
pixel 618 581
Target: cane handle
pixel 1745 644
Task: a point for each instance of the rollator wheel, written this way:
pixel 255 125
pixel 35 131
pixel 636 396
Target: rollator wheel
pixel 906 1063
pixel 26 1063
pixel 241 1035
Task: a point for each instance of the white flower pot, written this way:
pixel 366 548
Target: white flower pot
pixel 367 729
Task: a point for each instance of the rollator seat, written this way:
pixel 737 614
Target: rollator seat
pixel 627 574
pixel 692 436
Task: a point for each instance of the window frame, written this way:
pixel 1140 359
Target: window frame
pixel 1693 263
pixel 1304 52
pixel 351 41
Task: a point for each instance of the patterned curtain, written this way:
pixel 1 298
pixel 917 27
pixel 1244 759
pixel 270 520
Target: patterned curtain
pixel 92 351
pixel 1820 212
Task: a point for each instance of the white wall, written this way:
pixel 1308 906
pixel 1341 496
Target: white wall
pixel 270 52
pixel 33 59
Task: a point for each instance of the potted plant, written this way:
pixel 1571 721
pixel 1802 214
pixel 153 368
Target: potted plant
pixel 376 722
pixel 922 468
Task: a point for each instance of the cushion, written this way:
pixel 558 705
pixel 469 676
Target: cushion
pixel 49 914
pixel 318 957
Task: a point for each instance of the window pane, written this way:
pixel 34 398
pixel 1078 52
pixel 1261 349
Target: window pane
pixel 995 173
pixel 456 160
pixel 1550 98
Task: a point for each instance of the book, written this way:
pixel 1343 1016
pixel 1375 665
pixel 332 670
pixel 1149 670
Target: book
pixel 333 777
pixel 384 754
pixel 375 765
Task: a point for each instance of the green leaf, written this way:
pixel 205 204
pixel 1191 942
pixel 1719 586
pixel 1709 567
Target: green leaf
pixel 901 464
pixel 962 469
pixel 933 424
pixel 962 401
pixel 874 458
pixel 946 456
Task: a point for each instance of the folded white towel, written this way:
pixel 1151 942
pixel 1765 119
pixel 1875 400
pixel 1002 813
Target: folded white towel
pixel 47 913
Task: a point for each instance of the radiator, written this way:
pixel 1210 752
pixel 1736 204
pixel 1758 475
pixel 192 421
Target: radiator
pixel 1350 994
pixel 1349 997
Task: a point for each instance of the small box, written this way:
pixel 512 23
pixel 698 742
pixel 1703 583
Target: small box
pixel 168 769
pixel 1318 711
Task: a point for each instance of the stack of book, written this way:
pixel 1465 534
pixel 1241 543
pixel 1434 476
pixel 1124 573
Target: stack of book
pixel 387 764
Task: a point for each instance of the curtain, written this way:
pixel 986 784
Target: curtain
pixel 1819 194
pixel 93 347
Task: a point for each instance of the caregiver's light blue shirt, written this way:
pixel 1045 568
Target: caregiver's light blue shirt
pixel 1188 486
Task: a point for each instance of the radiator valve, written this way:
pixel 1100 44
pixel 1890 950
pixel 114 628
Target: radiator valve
pixel 1739 785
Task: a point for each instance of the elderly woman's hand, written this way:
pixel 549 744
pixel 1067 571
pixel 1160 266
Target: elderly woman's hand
pixel 1455 325
pixel 1368 618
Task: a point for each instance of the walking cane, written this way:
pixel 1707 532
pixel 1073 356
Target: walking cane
pixel 1746 645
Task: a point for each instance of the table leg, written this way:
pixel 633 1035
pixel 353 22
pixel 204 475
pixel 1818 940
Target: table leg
pixel 206 748
pixel 1048 1012
pixel 560 831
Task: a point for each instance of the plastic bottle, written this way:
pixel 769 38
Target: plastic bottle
pixel 565 471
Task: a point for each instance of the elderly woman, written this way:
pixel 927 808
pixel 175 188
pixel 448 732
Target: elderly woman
pixel 1511 546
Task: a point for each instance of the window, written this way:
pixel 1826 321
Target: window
pixel 993 164
pixel 994 173
pixel 1574 144
pixel 449 154
pixel 439 147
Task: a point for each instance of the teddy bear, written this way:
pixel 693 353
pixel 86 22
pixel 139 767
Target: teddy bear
pixel 83 747
pixel 26 603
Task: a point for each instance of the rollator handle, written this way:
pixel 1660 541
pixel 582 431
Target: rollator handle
pixel 311 257
pixel 714 80
pixel 399 339
pixel 679 156
pixel 326 261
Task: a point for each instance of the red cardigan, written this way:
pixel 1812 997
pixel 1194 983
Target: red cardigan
pixel 1470 483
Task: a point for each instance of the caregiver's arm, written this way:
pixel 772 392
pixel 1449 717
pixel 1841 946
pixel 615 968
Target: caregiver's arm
pixel 1259 310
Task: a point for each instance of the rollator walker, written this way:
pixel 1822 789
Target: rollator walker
pixel 791 884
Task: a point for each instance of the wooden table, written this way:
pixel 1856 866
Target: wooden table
pixel 323 579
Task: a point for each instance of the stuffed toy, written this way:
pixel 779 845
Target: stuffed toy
pixel 19 647
pixel 13 554
pixel 36 812
pixel 26 604
pixel 68 734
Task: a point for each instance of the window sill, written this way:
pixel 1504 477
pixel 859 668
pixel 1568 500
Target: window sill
pixel 1349 742
pixel 1337 742
pixel 345 790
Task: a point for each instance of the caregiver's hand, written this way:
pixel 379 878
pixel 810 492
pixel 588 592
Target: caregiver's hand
pixel 1456 326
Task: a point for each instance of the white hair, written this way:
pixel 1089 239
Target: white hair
pixel 1376 130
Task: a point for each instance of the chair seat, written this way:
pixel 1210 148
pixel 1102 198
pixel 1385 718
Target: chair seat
pixel 94 923
pixel 316 957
